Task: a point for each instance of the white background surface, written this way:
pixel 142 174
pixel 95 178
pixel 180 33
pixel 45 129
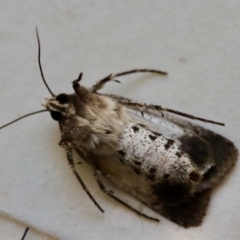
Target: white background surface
pixel 196 42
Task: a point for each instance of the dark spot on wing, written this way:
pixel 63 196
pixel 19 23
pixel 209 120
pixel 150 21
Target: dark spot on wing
pixel 152 173
pixel 137 163
pixel 153 170
pixel 122 153
pixel 135 129
pixel 136 170
pixel 169 143
pixel 151 177
pixel 152 137
pixel 166 176
pixel 179 154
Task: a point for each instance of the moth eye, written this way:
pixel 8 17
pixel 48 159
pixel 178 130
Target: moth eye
pixel 56 115
pixel 62 98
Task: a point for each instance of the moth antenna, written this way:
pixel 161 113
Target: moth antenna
pixel 40 65
pixel 25 233
pixel 188 115
pixel 79 77
pixel 24 116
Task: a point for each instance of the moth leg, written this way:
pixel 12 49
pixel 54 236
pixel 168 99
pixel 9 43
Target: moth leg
pixel 71 163
pixel 158 108
pixel 25 233
pixel 111 77
pixel 111 194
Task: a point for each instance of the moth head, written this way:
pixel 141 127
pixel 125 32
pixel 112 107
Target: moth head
pixel 58 106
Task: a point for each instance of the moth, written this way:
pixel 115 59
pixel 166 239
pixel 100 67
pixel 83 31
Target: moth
pixel 167 163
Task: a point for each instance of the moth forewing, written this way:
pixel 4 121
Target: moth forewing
pixel 213 155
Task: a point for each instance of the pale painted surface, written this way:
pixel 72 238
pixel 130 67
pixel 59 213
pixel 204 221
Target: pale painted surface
pixel 196 42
